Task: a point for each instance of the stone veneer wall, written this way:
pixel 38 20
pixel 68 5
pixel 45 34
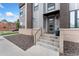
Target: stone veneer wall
pixel 68 34
pixel 36 32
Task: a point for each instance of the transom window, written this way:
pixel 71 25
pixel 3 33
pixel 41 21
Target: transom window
pixel 51 6
pixel 36 6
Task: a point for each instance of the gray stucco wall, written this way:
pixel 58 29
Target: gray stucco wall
pixel 57 7
pixel 64 15
pixel 73 6
pixel 38 16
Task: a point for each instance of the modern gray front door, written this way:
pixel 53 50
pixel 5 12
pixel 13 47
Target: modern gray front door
pixel 51 25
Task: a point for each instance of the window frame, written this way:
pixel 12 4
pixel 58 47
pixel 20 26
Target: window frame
pixel 76 18
pixel 35 7
pixel 50 8
pixel 35 4
pixel 21 25
pixel 21 13
pixel 70 19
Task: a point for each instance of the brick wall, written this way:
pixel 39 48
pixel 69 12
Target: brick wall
pixel 4 26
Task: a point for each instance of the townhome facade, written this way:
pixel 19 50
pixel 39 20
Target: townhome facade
pixel 45 16
pixel 51 17
pixel 40 20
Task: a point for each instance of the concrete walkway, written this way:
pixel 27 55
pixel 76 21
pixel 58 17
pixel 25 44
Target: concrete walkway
pixel 9 49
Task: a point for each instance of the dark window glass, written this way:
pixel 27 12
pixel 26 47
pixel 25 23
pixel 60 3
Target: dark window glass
pixel 51 25
pixel 51 29
pixel 77 18
pixel 21 13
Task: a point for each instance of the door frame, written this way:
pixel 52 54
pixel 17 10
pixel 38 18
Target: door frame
pixel 51 17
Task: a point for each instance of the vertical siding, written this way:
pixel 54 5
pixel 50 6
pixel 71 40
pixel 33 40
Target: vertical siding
pixel 64 15
pixel 29 15
pixel 38 16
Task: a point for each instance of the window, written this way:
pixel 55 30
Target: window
pixel 21 25
pixel 72 19
pixel 50 6
pixel 78 18
pixel 21 13
pixel 35 6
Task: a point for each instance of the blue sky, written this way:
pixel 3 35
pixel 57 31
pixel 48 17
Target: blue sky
pixel 9 11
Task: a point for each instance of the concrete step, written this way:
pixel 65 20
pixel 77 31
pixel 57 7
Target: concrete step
pixel 49 42
pixel 51 39
pixel 48 46
pixel 50 36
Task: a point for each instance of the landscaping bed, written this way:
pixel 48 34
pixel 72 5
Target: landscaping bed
pixel 71 48
pixel 22 41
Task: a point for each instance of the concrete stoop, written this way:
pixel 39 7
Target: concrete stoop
pixel 49 41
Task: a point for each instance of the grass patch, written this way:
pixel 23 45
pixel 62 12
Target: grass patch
pixel 7 33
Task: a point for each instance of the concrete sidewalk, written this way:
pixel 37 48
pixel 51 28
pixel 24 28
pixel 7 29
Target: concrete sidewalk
pixel 9 49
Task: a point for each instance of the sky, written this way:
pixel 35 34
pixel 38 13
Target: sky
pixel 9 11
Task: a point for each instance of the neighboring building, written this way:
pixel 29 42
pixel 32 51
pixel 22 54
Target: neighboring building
pixel 7 26
pixel 12 26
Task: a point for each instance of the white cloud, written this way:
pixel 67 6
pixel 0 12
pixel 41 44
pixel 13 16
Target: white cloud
pixel 1 6
pixel 9 14
pixel 12 19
